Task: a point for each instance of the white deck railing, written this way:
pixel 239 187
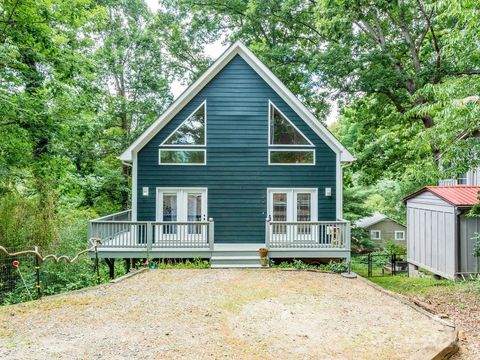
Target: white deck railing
pixel 308 234
pixel 119 232
pixel 150 235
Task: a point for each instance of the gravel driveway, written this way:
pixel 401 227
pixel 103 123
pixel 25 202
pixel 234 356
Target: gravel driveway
pixel 231 314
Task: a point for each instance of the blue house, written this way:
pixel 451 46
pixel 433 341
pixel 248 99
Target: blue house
pixel 235 164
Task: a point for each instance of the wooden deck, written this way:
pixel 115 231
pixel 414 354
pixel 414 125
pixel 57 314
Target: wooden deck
pixel 122 238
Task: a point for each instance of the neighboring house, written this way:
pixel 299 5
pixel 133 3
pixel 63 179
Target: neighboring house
pixel 472 178
pixel 382 228
pixel 440 234
pixel 234 164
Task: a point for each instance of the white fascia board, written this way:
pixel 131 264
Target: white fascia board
pixel 178 104
pixel 265 74
pixel 295 104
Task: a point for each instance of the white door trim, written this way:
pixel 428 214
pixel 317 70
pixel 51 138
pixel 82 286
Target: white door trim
pixel 182 205
pixel 186 232
pixel 292 200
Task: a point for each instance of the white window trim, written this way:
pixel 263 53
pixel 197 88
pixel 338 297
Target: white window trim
pixel 400 232
pixel 181 210
pixel 376 238
pixel 294 164
pixel 292 199
pixel 204 103
pixel 182 164
pixel 270 104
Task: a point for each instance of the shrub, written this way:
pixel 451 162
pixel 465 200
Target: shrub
pixel 361 242
pixel 392 247
pixel 197 263
pixel 332 266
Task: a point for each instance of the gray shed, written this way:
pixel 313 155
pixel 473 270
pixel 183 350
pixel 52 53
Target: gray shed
pixel 440 235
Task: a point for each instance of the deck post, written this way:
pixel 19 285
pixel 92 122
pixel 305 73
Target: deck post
pixel 111 267
pixel 211 233
pixel 149 237
pixel 348 240
pixel 128 263
pixel 267 233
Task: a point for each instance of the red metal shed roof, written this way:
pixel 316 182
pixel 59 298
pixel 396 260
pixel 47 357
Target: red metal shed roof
pixel 455 195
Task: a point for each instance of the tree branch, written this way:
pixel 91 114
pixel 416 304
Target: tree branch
pixel 468 72
pixel 9 19
pixel 8 123
pixel 436 46
pixel 407 37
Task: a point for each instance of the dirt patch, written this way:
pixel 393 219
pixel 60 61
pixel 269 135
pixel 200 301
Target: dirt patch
pixel 464 311
pixel 219 313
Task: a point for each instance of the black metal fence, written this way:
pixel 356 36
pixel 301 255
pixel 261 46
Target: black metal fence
pixel 17 275
pixel 379 264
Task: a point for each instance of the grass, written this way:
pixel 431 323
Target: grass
pixel 426 287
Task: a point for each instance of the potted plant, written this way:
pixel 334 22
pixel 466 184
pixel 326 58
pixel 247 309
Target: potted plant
pixel 263 252
pixel 264 261
pixel 150 264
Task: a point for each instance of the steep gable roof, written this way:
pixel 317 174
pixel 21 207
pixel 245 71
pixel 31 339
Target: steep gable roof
pixel 455 195
pixel 238 49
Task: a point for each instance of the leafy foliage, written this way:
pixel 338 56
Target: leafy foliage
pixel 332 266
pixel 80 79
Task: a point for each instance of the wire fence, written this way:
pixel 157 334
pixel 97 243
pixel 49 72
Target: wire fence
pixel 379 264
pixel 26 275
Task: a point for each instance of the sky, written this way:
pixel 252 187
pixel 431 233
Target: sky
pixel 214 51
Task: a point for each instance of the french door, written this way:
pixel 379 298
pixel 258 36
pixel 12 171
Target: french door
pixel 291 206
pixel 180 205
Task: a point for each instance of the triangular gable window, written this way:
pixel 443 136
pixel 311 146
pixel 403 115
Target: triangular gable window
pixel 191 131
pixel 282 130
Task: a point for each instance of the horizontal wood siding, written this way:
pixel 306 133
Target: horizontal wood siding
pixel 237 173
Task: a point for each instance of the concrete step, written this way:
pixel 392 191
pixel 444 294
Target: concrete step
pixel 235 260
pixel 235 253
pixel 232 266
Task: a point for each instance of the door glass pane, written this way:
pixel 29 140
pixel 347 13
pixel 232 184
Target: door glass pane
pixel 279 212
pixel 194 212
pixel 169 212
pixel 304 210
pixel 304 206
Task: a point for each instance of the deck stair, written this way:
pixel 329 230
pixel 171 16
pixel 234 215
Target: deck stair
pixel 236 256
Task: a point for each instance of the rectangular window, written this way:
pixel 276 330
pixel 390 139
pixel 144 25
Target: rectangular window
pixel 182 157
pixel 399 235
pixel 291 157
pixel 375 235
pixel 462 180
